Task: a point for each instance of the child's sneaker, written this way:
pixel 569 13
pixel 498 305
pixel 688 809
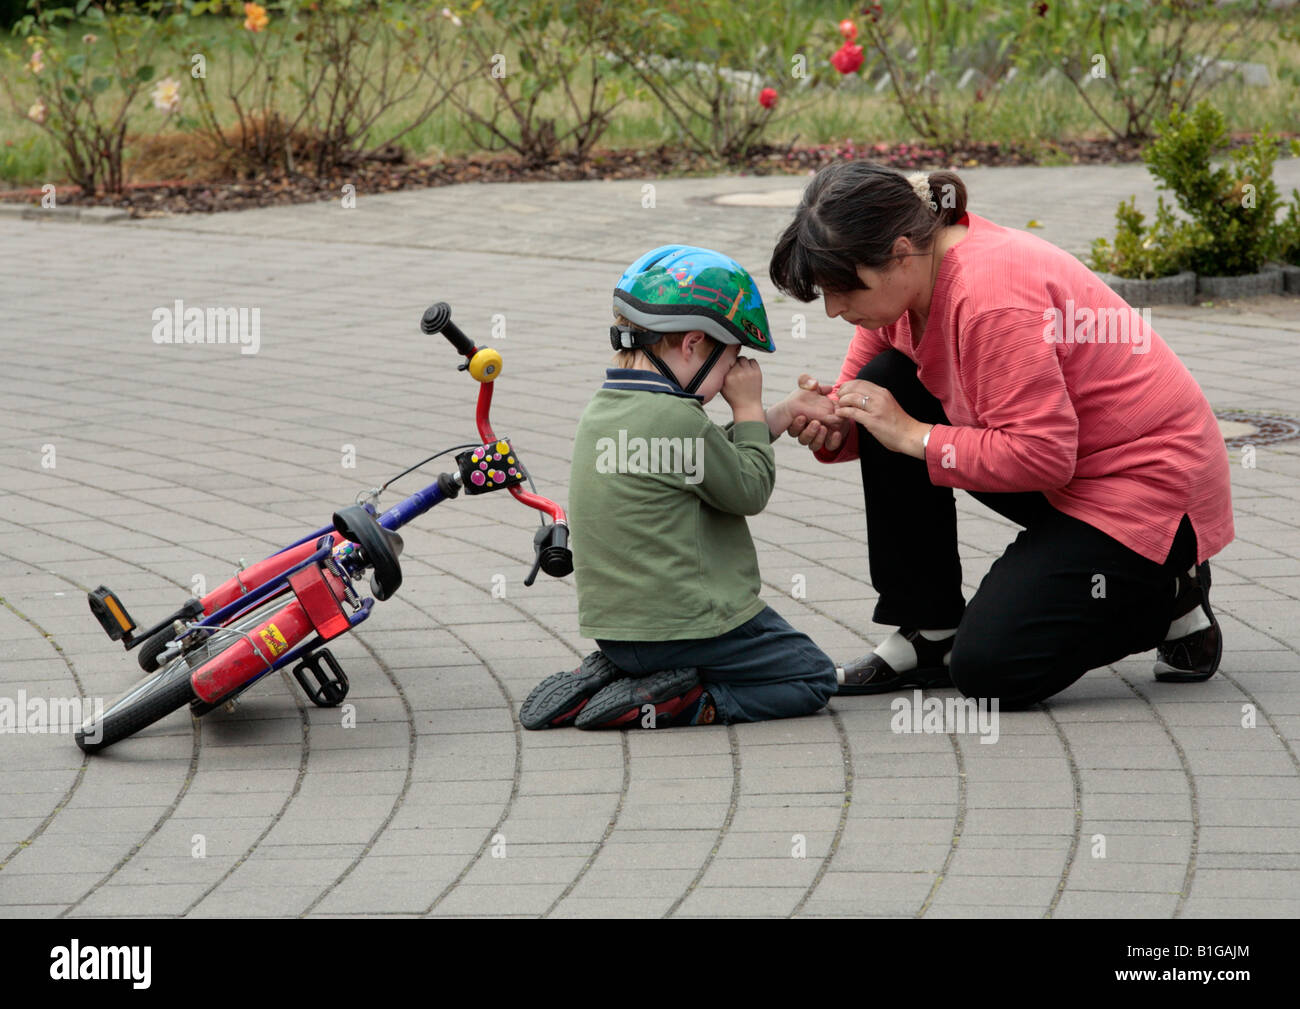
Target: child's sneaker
pixel 676 696
pixel 558 699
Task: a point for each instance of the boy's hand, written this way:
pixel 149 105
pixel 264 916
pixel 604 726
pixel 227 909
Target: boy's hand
pixel 809 415
pixel 743 389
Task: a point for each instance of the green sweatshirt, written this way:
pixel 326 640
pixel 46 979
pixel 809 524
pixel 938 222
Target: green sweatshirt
pixel 658 496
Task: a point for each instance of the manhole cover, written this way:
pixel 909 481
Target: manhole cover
pixel 771 198
pixel 1241 429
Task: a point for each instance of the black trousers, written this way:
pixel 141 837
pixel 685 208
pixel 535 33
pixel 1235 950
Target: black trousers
pixel 1064 597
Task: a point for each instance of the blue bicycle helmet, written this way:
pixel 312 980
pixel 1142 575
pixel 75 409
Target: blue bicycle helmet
pixel 679 288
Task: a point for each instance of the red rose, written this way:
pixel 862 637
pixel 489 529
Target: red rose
pixel 849 30
pixel 767 98
pixel 847 58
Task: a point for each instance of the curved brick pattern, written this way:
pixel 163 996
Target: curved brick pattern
pixel 1121 797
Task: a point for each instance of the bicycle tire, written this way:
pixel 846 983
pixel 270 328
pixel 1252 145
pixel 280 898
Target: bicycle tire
pixel 200 708
pixel 170 689
pixel 151 649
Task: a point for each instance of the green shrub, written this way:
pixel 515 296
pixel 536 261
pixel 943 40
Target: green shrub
pixel 946 36
pixel 1286 236
pixel 248 70
pixel 309 84
pixel 553 86
pixel 86 82
pixel 1144 253
pixel 708 63
pixel 1149 57
pixel 1235 205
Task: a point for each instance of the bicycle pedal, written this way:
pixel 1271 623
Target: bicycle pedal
pixel 331 684
pixel 110 613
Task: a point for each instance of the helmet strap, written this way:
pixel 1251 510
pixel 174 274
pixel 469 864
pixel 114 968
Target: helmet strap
pixel 706 367
pixel 662 368
pixel 700 375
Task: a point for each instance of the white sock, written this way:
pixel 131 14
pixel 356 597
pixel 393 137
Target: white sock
pixel 899 653
pixel 1187 624
pixel 1190 622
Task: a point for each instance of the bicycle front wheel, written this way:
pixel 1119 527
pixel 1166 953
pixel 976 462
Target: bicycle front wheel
pixel 172 688
pixel 143 705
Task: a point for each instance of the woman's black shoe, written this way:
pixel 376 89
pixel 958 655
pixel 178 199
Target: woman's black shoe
pixel 1193 657
pixel 871 674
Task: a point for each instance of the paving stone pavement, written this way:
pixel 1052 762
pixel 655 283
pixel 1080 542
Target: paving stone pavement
pixel 146 466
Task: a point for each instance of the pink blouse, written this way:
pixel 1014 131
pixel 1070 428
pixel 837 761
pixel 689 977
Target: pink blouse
pixel 1053 383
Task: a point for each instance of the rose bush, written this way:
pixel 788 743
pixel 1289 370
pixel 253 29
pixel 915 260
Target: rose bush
pixel 87 82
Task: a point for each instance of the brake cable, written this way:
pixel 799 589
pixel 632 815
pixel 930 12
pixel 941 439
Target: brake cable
pixel 412 469
pixel 541 519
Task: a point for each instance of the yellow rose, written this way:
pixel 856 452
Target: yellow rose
pixel 255 18
pixel 167 95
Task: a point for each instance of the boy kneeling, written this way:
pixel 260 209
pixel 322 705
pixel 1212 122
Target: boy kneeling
pixel 666 572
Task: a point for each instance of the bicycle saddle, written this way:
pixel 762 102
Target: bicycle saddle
pixel 380 546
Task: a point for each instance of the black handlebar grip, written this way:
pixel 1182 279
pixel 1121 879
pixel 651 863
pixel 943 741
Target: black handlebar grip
pixel 437 319
pixel 556 557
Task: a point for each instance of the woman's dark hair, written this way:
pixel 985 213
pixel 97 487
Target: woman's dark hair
pixel 850 215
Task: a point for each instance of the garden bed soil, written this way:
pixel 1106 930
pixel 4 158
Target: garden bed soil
pixel 147 199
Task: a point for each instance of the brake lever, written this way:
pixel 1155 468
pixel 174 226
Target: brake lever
pixel 551 546
pixel 539 537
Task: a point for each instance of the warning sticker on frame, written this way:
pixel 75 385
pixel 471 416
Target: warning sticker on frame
pixel 274 640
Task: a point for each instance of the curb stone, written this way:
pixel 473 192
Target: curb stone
pixel 1250 285
pixel 1179 289
pixel 1290 276
pixel 93 215
pixel 104 215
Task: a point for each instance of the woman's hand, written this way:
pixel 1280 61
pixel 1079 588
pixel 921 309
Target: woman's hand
pixel 874 407
pixel 809 415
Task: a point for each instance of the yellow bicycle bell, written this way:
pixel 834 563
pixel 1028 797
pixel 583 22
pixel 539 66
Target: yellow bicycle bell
pixel 485 365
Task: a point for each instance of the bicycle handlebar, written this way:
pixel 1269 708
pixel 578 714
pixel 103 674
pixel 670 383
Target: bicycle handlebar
pixel 437 319
pixel 542 504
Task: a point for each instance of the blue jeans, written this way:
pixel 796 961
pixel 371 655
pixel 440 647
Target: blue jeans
pixel 763 669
